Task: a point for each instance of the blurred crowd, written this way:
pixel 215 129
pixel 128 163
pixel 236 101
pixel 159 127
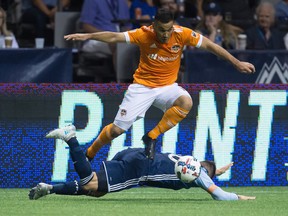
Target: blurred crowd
pixel 233 24
pixel 264 23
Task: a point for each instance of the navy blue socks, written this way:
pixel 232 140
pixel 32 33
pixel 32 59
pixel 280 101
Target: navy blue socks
pixel 68 188
pixel 81 165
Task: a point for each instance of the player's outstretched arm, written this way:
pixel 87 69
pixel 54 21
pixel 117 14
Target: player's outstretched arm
pixel 223 169
pixel 243 67
pixel 219 194
pixel 78 36
pixel 106 36
pixel 241 197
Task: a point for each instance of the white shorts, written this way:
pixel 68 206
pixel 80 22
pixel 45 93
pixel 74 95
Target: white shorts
pixel 139 98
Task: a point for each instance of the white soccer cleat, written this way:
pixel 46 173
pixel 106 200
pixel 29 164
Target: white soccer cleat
pixel 64 133
pixel 41 190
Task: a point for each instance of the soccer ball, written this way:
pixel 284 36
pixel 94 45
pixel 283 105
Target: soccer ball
pixel 187 168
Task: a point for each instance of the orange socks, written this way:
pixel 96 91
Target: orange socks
pixel 103 138
pixel 170 118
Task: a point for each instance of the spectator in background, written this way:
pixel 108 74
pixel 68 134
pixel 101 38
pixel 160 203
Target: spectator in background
pixel 282 9
pixel 216 29
pixel 4 32
pixel 186 9
pixel 168 4
pixel 142 10
pixel 41 14
pixel 240 12
pixel 174 8
pixel 97 16
pixel 264 35
pixel 190 9
pixel 74 5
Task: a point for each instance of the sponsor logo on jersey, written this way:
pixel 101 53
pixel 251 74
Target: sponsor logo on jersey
pixel 153 46
pixel 162 58
pixel 273 73
pixel 175 48
pixel 123 112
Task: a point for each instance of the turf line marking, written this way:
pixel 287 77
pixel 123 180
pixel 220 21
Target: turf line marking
pixel 195 192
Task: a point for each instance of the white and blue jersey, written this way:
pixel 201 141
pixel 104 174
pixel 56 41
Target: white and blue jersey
pixel 131 168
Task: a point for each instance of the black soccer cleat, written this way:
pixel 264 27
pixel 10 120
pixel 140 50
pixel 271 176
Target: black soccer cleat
pixel 150 146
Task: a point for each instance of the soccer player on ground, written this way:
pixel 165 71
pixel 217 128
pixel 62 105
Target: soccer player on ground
pixel 128 168
pixel 161 46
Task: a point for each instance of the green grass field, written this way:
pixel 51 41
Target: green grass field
pixel 148 201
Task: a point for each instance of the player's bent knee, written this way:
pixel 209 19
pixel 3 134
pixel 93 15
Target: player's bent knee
pixel 116 131
pixel 185 102
pixel 188 103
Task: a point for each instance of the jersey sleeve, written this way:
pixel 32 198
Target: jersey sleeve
pixel 219 194
pixel 192 38
pixel 204 181
pixel 134 36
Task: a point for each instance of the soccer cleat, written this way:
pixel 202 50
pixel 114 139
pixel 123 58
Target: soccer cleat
pixel 41 190
pixel 64 133
pixel 150 145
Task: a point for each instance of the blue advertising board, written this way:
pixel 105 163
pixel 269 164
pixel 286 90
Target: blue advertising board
pixel 50 65
pixel 243 123
pixel 204 67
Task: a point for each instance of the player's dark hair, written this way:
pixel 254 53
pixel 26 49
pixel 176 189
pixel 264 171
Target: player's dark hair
pixel 164 15
pixel 210 167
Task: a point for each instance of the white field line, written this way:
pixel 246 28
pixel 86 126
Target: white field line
pixel 199 192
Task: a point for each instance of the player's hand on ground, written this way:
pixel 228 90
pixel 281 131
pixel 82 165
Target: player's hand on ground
pixel 78 36
pixel 222 170
pixel 241 197
pixel 245 67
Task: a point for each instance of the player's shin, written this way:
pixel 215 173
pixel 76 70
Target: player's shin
pixel 171 117
pixel 81 165
pixel 68 188
pixel 103 138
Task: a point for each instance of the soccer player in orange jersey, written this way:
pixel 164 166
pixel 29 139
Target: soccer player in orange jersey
pixel 161 46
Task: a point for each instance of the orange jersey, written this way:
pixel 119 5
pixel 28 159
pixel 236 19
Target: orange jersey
pixel 160 63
